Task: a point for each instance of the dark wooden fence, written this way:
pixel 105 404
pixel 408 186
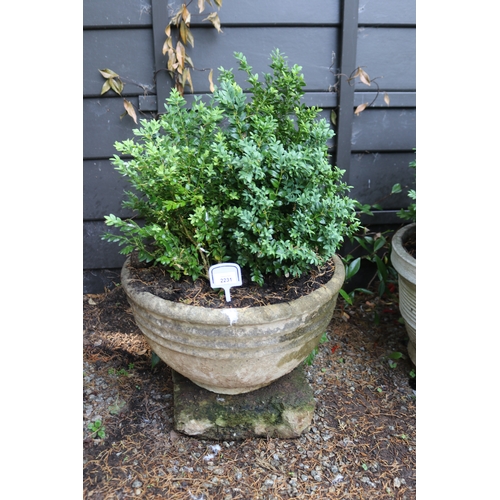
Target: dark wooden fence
pixel 328 38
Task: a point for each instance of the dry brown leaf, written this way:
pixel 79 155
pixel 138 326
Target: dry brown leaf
pixel 117 86
pixel 183 31
pixel 108 73
pixel 214 19
pixel 360 108
pixel 129 108
pixel 105 87
pixel 387 100
pixel 180 53
pixel 363 76
pixel 186 15
pixel 210 76
pixel 186 77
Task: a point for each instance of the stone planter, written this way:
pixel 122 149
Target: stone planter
pixel 406 266
pixel 234 350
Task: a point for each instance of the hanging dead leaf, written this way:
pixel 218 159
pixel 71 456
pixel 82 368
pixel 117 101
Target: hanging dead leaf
pixel 105 87
pixel 214 19
pixel 387 100
pixel 177 18
pixel 116 85
pixel 186 15
pixel 363 76
pixel 201 5
pixel 168 30
pixel 183 29
pixel 165 47
pixel 180 52
pixel 210 80
pixel 129 108
pixel 190 38
pixel 186 77
pixel 218 2
pixel 189 60
pixel 360 108
pixel 333 117
pixel 108 73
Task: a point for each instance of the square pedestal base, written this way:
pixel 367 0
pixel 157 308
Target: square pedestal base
pixel 283 409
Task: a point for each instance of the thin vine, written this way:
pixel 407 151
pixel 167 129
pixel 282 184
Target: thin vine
pixel 178 36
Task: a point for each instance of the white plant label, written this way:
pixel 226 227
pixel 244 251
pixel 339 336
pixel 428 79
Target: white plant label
pixel 225 276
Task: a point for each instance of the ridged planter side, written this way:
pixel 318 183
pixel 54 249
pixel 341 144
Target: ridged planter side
pixel 406 266
pixel 234 350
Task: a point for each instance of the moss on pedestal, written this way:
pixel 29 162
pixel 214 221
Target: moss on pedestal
pixel 282 409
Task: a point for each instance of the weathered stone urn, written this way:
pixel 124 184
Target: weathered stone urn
pixel 234 350
pixel 406 267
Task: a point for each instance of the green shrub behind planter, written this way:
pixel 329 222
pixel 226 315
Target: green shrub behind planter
pixel 237 179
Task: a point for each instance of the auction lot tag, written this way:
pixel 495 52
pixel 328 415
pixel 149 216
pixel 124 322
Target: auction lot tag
pixel 225 276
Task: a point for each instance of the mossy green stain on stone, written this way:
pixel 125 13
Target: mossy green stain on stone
pixel 301 353
pixel 273 410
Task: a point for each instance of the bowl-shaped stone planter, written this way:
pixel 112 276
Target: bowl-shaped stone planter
pixel 406 266
pixel 234 350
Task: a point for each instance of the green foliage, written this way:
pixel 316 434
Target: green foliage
pixel 393 356
pixel 97 429
pixel 246 181
pixel 309 360
pixel 375 248
pixel 121 371
pixel 410 213
pixel 155 359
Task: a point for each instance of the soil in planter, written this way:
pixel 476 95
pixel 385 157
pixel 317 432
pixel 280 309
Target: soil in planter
pixel 410 245
pixel 155 279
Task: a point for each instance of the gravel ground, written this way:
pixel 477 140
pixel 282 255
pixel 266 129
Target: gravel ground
pixel 361 444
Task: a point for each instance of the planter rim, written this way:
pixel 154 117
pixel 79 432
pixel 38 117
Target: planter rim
pixel 404 263
pixel 246 316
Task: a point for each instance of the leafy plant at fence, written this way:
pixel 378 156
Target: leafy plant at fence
pixel 410 213
pixel 377 247
pixel 179 63
pixel 377 250
pixel 235 180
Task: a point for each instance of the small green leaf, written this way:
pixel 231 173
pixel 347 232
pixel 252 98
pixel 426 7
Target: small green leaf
pixel 346 296
pixel 379 243
pixel 396 355
pixel 353 268
pixel 396 188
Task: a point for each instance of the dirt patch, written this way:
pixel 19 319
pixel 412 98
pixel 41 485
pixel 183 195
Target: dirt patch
pixel 155 280
pixel 362 443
